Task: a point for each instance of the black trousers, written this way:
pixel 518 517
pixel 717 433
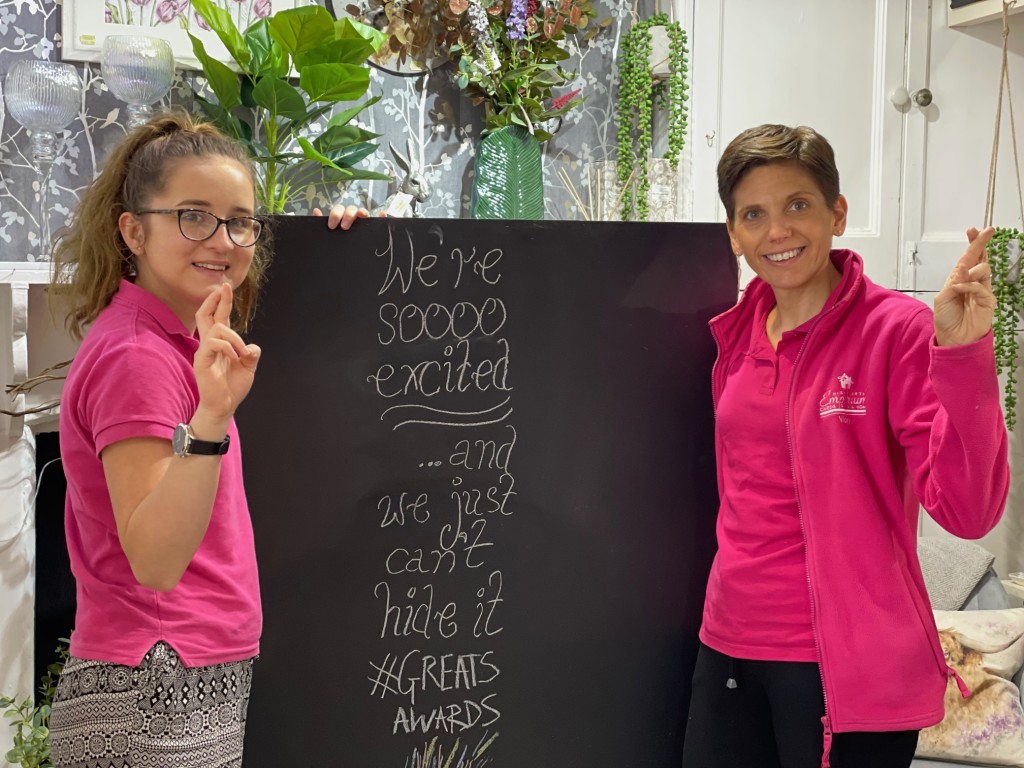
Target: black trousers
pixel 772 719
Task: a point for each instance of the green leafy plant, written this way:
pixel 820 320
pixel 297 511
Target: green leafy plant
pixel 31 721
pixel 1006 279
pixel 260 107
pixel 639 93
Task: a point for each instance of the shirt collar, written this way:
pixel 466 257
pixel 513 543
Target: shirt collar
pixel 129 294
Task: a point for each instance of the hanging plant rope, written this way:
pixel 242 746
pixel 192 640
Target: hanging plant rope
pixel 1004 257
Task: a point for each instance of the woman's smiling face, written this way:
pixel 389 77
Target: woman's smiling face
pixel 182 272
pixel 783 226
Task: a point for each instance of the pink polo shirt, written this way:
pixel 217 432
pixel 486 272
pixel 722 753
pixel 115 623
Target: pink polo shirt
pixel 133 377
pixel 758 603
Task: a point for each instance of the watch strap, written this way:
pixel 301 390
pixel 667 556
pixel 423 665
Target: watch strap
pixel 185 443
pixel 197 447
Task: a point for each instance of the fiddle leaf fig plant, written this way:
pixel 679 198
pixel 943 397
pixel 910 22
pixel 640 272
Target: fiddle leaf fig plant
pixel 261 106
pixel 1004 254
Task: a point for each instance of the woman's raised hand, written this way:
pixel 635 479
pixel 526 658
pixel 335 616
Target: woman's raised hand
pixel 966 304
pixel 224 364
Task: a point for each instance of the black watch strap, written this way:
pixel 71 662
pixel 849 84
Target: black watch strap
pixel 185 443
pixel 197 447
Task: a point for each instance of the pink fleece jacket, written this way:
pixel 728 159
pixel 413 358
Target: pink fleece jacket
pixel 879 419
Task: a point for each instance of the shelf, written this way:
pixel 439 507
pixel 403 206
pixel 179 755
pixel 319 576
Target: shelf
pixel 979 12
pixel 25 272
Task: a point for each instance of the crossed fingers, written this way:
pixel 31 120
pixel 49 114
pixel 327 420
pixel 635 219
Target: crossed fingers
pixel 213 320
pixel 972 270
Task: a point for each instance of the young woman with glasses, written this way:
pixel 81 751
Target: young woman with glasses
pixel 163 262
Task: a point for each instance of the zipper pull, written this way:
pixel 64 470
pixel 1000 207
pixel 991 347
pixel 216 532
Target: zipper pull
pixel 964 690
pixel 827 725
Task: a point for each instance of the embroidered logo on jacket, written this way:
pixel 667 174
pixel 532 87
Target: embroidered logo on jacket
pixel 843 401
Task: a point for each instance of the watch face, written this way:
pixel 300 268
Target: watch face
pixel 412 47
pixel 180 440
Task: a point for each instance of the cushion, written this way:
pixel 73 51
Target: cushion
pixel 951 569
pixel 986 648
pixel 989 595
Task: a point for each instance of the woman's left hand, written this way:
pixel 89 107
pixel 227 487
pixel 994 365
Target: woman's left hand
pixel 965 306
pixel 342 215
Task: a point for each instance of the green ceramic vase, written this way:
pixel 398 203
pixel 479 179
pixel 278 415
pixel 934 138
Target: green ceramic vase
pixel 509 182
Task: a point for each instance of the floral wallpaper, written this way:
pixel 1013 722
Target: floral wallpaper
pixel 424 116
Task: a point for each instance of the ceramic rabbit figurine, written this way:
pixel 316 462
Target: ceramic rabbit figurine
pixel 413 187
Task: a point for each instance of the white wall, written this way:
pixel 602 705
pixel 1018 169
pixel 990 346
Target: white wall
pixel 964 68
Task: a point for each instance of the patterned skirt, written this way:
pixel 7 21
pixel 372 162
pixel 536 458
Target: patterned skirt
pixel 160 714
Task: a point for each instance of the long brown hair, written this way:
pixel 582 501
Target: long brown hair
pixel 91 257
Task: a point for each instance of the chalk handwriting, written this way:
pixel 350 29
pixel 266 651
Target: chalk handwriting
pixel 419 672
pixel 446 373
pixel 480 454
pixel 407 273
pixel 416 510
pixel 416 413
pixel 481 267
pixel 437 322
pixel 456 373
pixel 415 618
pixel 450 718
pixel 485 608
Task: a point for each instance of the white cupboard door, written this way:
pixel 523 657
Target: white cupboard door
pixel 829 64
pixel 950 143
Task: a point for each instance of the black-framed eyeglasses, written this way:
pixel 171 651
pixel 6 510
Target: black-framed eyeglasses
pixel 198 225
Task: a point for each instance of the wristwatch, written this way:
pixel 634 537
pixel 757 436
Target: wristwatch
pixel 185 443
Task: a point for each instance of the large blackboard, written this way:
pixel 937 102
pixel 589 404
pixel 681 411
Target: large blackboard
pixel 479 458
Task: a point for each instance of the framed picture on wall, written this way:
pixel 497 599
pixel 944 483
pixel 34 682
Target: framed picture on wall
pixel 85 24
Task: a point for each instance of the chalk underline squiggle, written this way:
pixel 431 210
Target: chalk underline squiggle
pixel 439 423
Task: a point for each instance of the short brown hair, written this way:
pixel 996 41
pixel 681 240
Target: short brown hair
pixel 777 144
pixel 91 257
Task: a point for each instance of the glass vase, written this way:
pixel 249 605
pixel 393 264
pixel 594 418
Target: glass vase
pixel 44 96
pixel 138 70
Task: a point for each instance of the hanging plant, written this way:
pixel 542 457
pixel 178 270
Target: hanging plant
pixel 640 91
pixel 1004 255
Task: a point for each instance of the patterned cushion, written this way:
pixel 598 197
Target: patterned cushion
pixel 986 648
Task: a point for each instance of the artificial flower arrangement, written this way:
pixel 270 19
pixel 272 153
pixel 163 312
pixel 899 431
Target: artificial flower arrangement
pixel 509 53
